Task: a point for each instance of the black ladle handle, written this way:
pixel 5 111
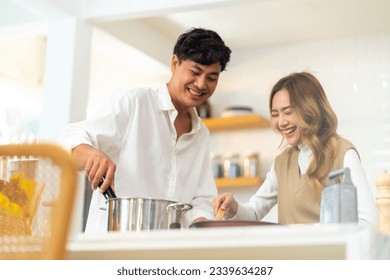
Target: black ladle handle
pixel 108 193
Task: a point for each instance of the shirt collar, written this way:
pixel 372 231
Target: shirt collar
pixel 304 158
pixel 167 105
pixel 196 120
pixel 302 146
pixel 165 99
pixel 304 150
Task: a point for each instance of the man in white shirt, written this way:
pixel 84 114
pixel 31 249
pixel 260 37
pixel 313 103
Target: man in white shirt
pixel 150 142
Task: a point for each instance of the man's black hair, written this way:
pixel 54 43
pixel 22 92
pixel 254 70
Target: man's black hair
pixel 202 46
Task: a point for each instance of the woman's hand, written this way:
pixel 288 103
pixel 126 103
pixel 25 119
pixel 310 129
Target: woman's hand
pixel 227 203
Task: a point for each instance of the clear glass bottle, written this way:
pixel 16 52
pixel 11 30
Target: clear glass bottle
pixel 3 168
pixel 251 164
pixel 216 165
pixel 231 165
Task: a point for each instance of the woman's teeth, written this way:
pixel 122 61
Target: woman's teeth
pixel 289 131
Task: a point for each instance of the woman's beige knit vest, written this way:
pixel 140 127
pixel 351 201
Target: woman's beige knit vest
pixel 299 202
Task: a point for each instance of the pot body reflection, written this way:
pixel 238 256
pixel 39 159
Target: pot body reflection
pixel 136 214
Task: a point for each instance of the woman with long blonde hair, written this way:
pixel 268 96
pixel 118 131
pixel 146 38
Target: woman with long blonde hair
pixel 301 113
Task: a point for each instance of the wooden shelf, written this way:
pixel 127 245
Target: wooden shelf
pixel 234 123
pixel 240 182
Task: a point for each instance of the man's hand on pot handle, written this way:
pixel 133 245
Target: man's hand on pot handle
pixel 97 165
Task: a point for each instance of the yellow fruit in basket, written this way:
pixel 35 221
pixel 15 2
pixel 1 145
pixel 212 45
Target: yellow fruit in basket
pixel 17 196
pixel 9 209
pixel 25 185
pixel 13 191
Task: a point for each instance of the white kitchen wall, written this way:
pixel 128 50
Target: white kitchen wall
pixel 355 73
pixel 113 70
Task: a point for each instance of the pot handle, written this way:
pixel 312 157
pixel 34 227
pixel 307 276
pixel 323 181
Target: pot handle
pixel 109 192
pixel 180 206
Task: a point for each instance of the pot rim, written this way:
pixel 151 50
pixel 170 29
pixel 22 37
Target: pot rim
pixel 141 198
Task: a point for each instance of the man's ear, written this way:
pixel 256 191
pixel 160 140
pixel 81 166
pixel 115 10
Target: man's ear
pixel 174 63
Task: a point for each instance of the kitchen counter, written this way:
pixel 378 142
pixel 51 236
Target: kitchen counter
pixel 300 242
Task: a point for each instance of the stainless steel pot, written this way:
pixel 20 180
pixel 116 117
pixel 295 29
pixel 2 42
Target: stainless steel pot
pixel 136 214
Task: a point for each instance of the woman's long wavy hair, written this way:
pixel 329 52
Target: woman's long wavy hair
pixel 316 120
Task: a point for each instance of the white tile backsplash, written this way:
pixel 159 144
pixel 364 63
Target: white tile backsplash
pixel 355 73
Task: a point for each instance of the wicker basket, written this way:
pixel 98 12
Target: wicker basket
pixel 40 233
pixel 12 226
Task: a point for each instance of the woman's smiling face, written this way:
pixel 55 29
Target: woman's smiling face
pixel 282 118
